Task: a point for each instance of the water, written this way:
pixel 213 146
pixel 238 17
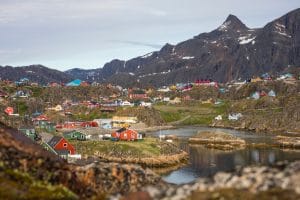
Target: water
pixel 205 162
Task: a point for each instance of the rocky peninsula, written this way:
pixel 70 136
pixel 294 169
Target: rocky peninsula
pixel 218 140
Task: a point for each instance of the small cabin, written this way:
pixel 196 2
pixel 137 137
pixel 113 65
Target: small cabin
pixel 74 135
pixel 61 146
pixel 125 134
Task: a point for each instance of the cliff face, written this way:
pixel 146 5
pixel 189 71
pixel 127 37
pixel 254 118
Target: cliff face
pixel 230 52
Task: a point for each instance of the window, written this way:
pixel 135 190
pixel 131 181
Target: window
pixel 65 144
pixel 125 135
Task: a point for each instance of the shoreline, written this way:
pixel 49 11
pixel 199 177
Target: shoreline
pixel 161 161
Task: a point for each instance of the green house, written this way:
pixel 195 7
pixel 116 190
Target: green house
pixel 29 132
pixel 74 135
pixel 48 126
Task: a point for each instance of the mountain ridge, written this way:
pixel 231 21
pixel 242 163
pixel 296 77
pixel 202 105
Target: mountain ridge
pixel 230 52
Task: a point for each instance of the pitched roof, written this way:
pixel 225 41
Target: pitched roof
pixel 54 141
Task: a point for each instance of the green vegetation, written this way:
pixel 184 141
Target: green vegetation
pixel 15 184
pixel 193 113
pixel 148 147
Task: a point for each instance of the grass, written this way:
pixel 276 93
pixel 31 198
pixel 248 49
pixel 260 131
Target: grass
pixel 200 114
pixel 15 184
pixel 149 147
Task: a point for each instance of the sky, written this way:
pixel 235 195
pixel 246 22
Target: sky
pixel 64 34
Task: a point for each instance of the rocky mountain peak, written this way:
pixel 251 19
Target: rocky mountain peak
pixel 232 23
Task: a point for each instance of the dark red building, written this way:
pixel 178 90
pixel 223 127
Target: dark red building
pixel 61 146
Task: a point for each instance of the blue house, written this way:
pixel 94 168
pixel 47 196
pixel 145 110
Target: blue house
pixel 75 82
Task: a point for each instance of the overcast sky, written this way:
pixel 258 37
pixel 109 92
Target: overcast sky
pixel 64 34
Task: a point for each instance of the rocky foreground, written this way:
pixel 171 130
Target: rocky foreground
pixel 29 172
pixel 281 181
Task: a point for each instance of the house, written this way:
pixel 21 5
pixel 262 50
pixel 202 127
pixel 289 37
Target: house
pixel 74 135
pixel 29 132
pixel 255 95
pixel 218 118
pixel 84 84
pixel 61 146
pixel 145 104
pixel 125 134
pixel 166 99
pixel 120 121
pixel 234 116
pixel 57 108
pixel 255 80
pixel 74 83
pixel 271 93
pixel 137 94
pixel 22 94
pixel 164 89
pixel 69 125
pixel 40 118
pixel 262 94
pixel 126 103
pixel 89 124
pixel 46 125
pixel 104 123
pixel 9 110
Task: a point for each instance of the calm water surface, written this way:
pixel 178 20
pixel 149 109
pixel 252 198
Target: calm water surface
pixel 205 162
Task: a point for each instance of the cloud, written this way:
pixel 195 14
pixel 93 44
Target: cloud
pixel 136 43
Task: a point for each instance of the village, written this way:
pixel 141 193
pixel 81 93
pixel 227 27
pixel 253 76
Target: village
pixel 58 116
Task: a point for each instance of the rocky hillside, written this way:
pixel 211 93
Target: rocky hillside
pixel 230 52
pixel 29 172
pixel 35 73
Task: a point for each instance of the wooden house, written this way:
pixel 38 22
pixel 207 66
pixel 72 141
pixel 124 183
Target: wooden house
pixel 120 121
pixel 61 146
pixel 125 134
pixel 74 135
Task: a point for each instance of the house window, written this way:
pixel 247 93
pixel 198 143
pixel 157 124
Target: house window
pixel 65 144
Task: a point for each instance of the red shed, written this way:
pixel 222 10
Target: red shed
pixel 61 145
pixel 125 135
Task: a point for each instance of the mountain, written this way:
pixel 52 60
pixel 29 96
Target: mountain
pixel 35 73
pixel 230 52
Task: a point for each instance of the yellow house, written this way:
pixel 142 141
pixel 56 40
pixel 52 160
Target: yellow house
pixel 56 108
pixel 257 79
pixel 121 121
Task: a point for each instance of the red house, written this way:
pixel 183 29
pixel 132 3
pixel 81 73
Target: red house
pixel 137 94
pixel 41 118
pixel 125 134
pixel 61 146
pixel 89 124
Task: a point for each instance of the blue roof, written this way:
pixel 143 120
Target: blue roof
pixel 75 82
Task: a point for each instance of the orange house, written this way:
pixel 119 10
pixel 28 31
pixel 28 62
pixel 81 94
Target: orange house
pixel 125 135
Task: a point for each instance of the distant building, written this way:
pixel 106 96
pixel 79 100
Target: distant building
pixel 121 121
pixel 75 83
pixel 137 94
pixel 126 135
pixel 74 135
pixel 61 146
